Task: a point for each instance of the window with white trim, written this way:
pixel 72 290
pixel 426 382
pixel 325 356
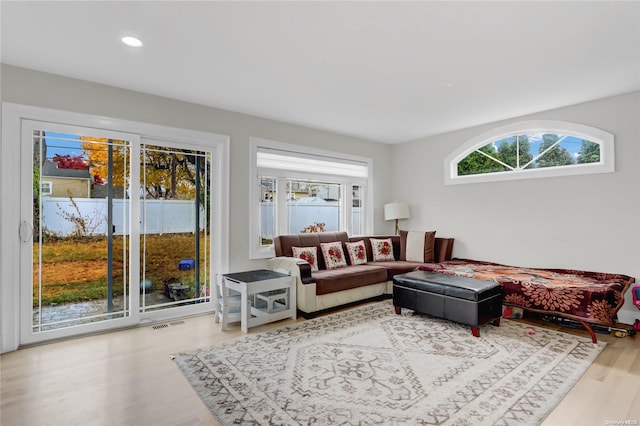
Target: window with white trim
pixel 46 187
pixel 296 189
pixel 531 149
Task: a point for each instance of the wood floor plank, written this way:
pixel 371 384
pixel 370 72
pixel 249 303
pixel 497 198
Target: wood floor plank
pixel 634 407
pixel 635 366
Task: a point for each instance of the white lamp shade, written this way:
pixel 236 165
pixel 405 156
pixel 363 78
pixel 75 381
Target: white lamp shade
pixel 396 211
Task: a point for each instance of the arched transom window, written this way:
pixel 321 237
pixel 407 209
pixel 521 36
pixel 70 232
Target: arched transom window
pixel 531 149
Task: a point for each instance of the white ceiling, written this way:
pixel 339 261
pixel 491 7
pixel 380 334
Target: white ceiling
pixel 384 71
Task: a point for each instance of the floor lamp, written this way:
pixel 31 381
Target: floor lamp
pixel 395 211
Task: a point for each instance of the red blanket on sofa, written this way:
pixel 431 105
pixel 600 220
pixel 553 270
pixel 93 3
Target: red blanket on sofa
pixel 588 296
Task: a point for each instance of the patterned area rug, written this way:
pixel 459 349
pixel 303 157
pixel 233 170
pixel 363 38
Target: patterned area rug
pixel 370 366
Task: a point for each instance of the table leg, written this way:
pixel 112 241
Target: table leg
pixel 224 292
pixel 293 299
pixel 245 311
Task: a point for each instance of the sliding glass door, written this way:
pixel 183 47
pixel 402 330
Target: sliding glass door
pixel 76 257
pixel 114 229
pixel 175 230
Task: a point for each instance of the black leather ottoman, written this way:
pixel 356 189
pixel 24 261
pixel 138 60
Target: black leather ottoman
pixel 460 299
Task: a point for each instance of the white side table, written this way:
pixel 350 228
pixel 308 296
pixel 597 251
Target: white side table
pixel 265 296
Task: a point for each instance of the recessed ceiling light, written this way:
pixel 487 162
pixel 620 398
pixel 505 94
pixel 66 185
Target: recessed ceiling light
pixel 131 41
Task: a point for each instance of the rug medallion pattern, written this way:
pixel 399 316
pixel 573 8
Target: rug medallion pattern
pixel 370 366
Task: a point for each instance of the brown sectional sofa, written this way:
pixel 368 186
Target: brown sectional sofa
pixel 325 289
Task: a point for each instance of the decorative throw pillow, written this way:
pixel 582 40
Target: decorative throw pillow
pixel 357 252
pixel 333 255
pixel 417 246
pixel 382 249
pixel 310 254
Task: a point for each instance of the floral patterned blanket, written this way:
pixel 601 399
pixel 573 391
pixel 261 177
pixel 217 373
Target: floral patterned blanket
pixel 588 296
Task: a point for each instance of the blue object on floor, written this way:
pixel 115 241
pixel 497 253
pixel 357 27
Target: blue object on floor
pixel 146 285
pixel 186 264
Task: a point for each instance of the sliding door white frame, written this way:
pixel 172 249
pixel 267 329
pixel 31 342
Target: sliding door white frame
pixel 10 149
pixel 27 335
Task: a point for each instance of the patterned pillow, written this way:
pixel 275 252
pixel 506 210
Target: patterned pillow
pixel 417 246
pixel 357 252
pixel 333 255
pixel 382 249
pixel 310 254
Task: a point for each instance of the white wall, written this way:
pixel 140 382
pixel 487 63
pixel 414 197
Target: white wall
pixel 24 86
pixel 586 222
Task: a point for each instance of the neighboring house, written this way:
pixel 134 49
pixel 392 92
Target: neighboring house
pixel 62 182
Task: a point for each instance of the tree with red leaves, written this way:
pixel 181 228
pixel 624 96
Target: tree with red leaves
pixel 75 162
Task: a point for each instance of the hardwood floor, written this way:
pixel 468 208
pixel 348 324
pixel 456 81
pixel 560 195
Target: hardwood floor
pixel 127 378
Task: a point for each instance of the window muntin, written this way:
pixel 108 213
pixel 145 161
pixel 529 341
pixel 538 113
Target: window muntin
pixel 531 149
pixel 305 190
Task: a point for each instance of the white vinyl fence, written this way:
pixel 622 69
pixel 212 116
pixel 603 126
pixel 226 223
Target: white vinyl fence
pixel 162 216
pixel 303 214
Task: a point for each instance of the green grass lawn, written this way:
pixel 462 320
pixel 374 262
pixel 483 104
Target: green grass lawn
pixel 75 270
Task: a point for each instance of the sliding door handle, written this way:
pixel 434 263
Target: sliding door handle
pixel 25 231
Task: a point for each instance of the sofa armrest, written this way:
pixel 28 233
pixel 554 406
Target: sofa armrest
pixel 305 284
pixel 294 266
